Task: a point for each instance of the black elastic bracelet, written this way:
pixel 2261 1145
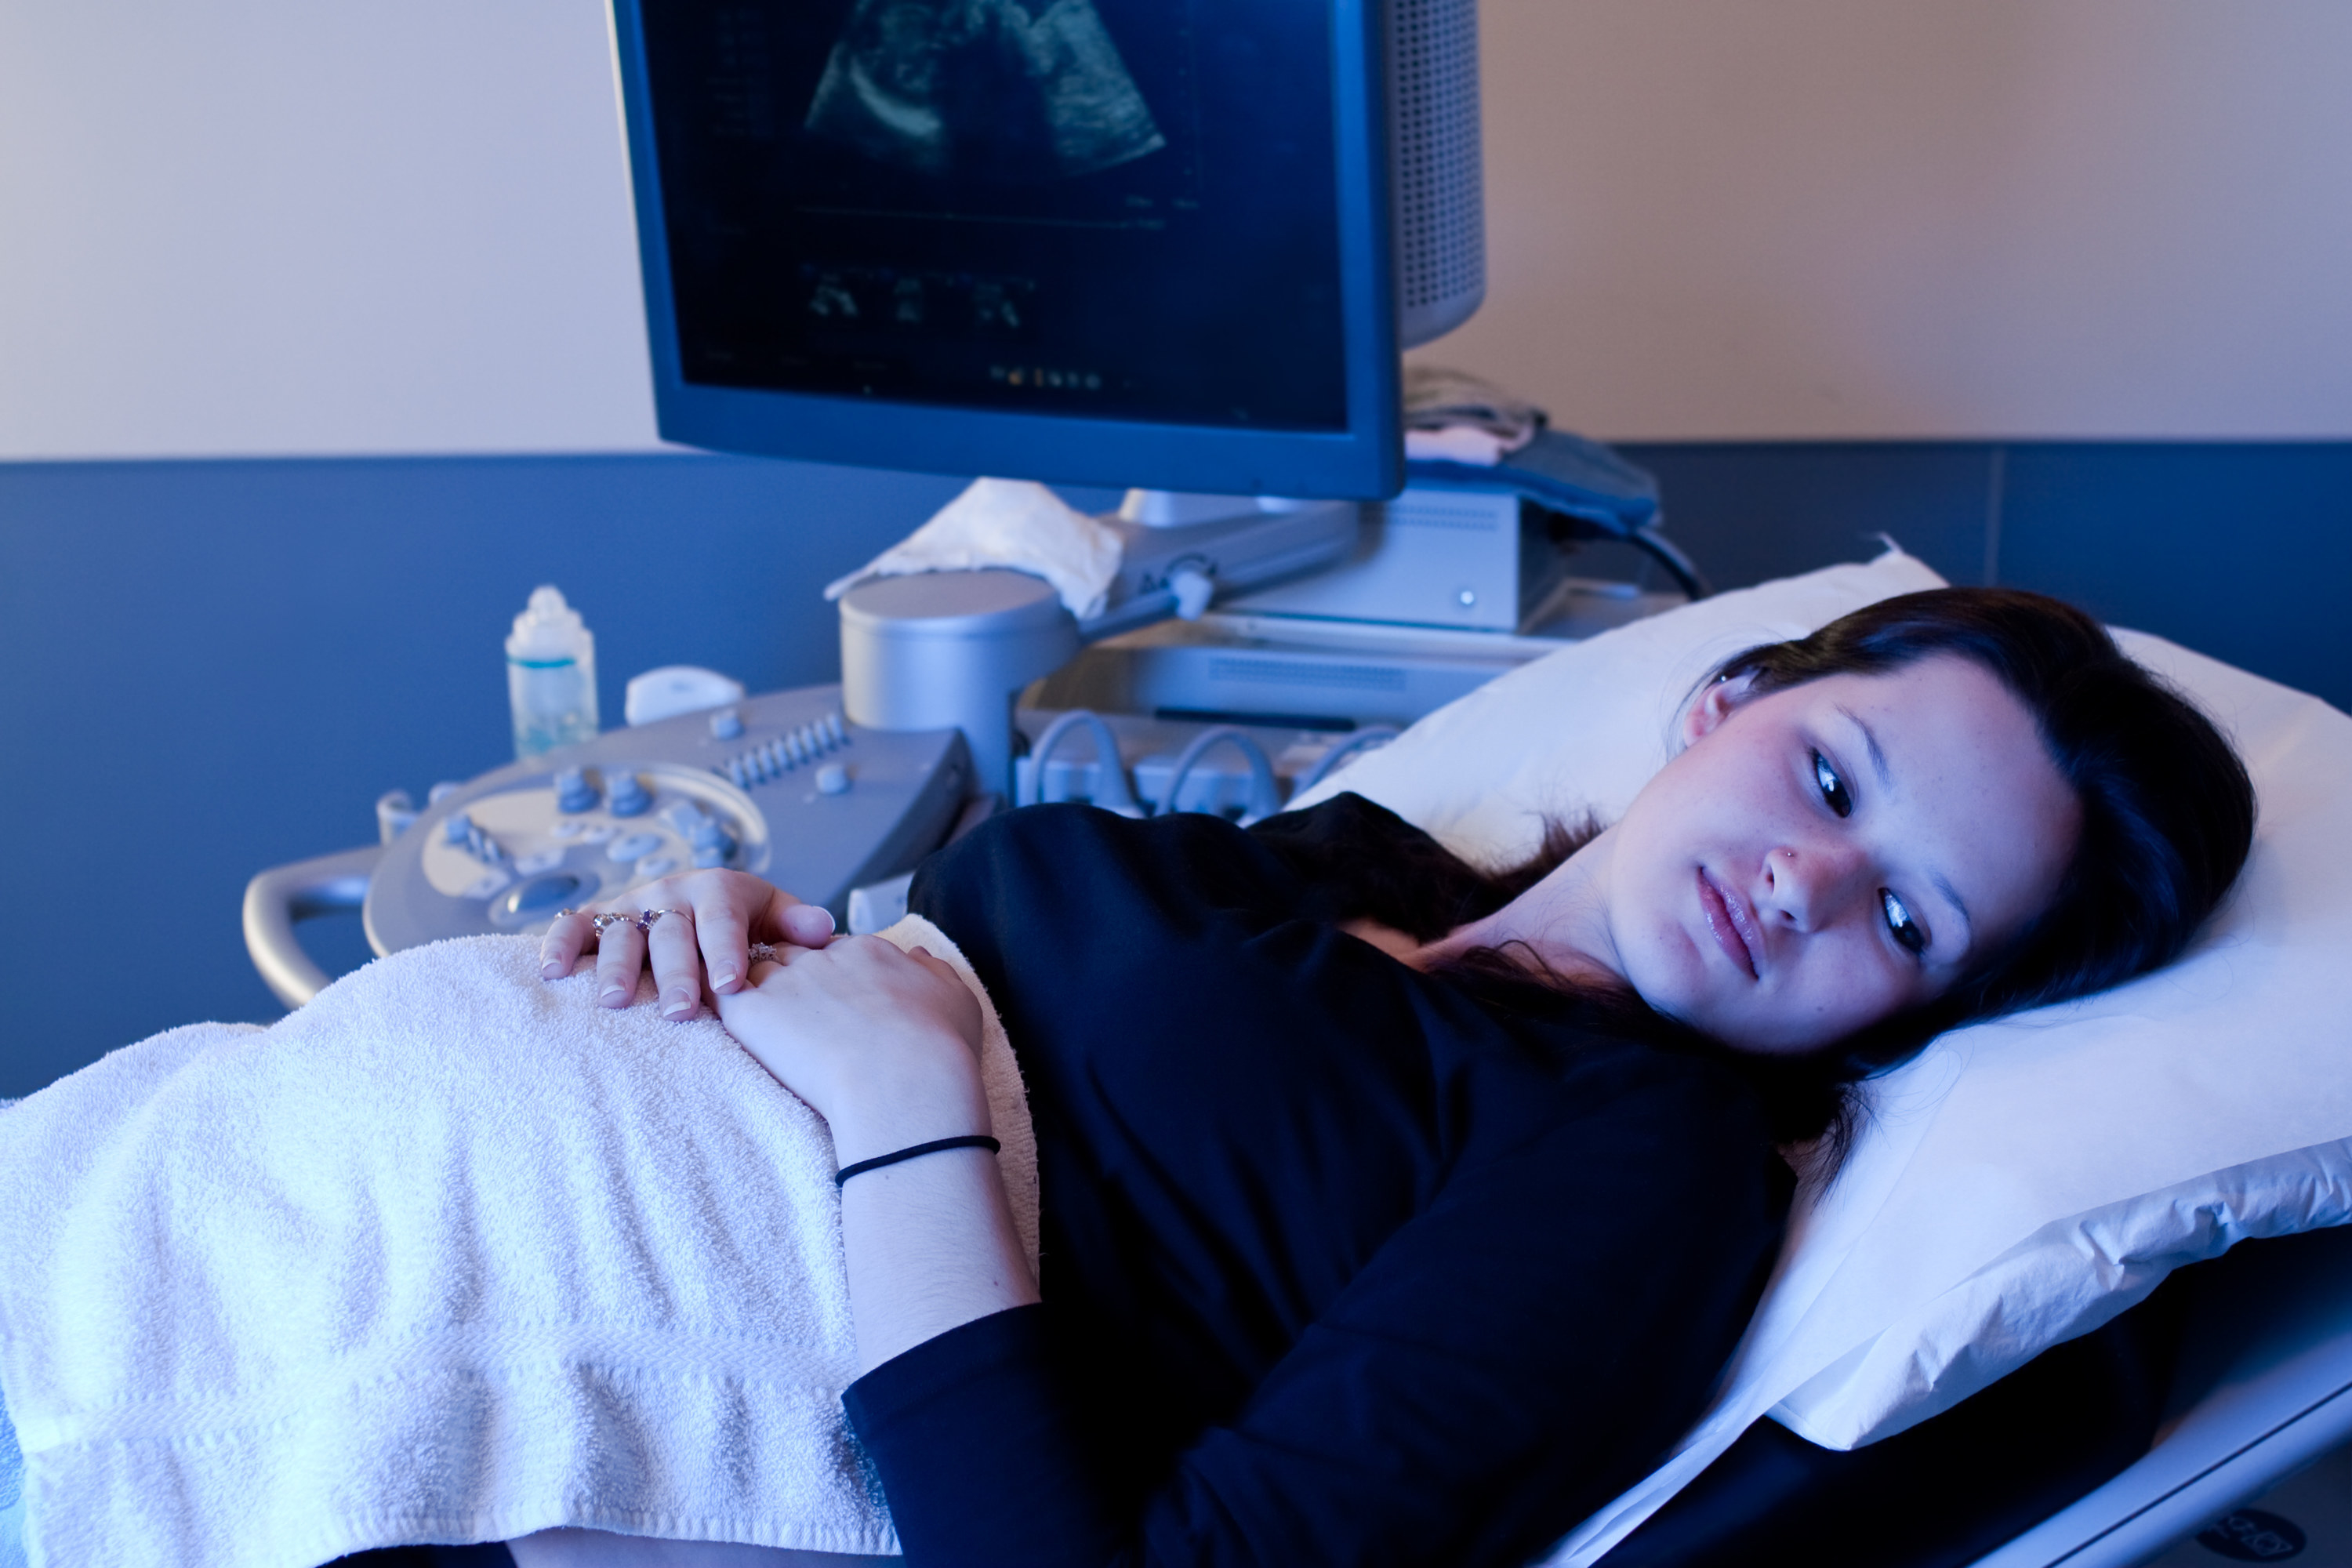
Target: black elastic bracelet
pixel 936 1146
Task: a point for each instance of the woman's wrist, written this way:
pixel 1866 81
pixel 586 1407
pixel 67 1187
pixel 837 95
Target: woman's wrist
pixel 880 1107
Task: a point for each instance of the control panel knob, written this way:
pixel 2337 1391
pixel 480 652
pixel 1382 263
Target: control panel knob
pixel 572 790
pixel 542 895
pixel 627 795
pixel 713 844
pixel 632 846
pixel 462 831
pixel 832 779
pixel 394 812
pixel 727 724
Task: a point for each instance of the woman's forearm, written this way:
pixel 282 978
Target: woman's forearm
pixel 884 1045
pixel 930 1247
pixel 930 1241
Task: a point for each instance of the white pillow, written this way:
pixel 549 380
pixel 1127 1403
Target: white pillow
pixel 1583 728
pixel 2022 1181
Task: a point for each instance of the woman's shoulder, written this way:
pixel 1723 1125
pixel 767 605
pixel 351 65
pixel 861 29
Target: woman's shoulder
pixel 1346 852
pixel 1359 858
pixel 1066 834
pixel 1345 819
pixel 1082 861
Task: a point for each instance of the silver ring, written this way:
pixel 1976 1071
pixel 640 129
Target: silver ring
pixel 647 918
pixel 606 922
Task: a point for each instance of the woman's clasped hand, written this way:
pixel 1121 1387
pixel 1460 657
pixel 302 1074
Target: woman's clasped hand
pixel 723 913
pixel 883 1043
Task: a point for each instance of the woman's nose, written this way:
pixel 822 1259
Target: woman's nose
pixel 1810 882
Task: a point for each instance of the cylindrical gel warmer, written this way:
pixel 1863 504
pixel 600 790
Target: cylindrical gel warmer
pixel 952 649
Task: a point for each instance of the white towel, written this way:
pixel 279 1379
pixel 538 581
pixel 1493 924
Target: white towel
pixel 451 1254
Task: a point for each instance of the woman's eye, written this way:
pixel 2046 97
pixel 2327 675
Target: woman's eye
pixel 1908 935
pixel 1832 787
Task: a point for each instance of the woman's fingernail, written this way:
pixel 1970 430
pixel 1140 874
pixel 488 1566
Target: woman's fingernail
pixel 678 1006
pixel 829 927
pixel 720 979
pixel 611 996
pixel 551 969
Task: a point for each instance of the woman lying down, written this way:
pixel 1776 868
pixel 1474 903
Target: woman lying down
pixel 1396 1210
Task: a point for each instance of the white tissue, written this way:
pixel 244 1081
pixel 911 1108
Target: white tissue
pixel 1458 444
pixel 1014 523
pixel 1451 417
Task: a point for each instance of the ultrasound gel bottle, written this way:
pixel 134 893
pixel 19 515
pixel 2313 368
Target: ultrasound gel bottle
pixel 550 676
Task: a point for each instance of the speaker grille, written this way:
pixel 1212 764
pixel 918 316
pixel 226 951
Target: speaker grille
pixel 1440 184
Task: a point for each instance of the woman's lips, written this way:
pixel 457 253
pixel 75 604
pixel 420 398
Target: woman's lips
pixel 1723 919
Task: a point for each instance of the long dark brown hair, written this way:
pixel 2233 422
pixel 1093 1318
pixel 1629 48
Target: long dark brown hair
pixel 2167 816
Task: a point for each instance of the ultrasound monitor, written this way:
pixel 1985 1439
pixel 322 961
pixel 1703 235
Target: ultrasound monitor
pixel 1121 242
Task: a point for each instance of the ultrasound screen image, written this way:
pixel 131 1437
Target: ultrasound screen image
pixel 983 89
pixel 1115 208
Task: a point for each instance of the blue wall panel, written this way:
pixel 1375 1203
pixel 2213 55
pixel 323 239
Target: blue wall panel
pixel 2241 551
pixel 1751 511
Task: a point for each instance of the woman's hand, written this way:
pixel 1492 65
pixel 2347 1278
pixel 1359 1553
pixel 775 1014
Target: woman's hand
pixel 884 1043
pixel 721 914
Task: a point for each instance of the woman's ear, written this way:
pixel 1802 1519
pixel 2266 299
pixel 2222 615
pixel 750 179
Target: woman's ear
pixel 1717 703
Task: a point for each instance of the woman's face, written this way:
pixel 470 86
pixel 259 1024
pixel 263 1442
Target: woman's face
pixel 1819 858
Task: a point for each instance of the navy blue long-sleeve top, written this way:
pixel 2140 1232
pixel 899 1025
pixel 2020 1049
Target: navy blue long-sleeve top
pixel 1340 1262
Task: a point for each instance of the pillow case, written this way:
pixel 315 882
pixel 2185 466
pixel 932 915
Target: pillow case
pixel 2021 1181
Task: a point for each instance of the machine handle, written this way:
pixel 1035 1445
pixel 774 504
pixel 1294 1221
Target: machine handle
pixel 283 894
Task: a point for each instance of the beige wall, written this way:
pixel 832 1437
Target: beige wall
pixel 311 226
pixel 1761 219
pixel 272 226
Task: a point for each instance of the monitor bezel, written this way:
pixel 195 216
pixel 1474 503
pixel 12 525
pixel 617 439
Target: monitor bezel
pixel 1365 461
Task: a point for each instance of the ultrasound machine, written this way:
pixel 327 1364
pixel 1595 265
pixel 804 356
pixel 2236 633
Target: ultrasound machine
pixel 1176 247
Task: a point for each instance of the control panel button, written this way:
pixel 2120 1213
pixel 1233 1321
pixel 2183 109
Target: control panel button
pixel 632 846
pixel 713 844
pixel 543 893
pixel 832 779
pixel 572 790
pixel 394 812
pixel 727 724
pixel 628 797
pixel 462 831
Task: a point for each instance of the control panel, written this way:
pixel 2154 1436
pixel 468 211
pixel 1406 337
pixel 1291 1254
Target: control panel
pixel 781 785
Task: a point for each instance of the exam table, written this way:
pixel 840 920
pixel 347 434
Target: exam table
pixel 2101 1453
